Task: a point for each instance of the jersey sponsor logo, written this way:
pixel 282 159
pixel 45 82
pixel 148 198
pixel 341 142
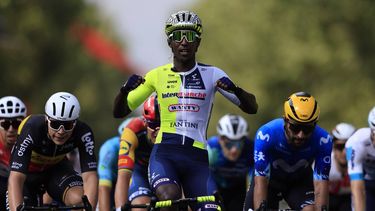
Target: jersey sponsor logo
pixel 184 124
pixel 183 107
pixel 25 143
pixel 89 143
pixel 282 164
pixel 16 165
pixel 259 156
pixel 194 81
pixel 189 95
pixel 263 137
pixel 125 162
pixel 214 206
pixel 160 181
pixel 324 140
pixel 124 148
pixel 327 159
pixel 172 82
pixel 92 165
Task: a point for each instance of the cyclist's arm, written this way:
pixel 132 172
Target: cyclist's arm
pixel 358 194
pixel 247 100
pixel 122 187
pixel 105 197
pixel 15 189
pixel 121 108
pixel 321 193
pixel 90 187
pixel 126 159
pixel 260 190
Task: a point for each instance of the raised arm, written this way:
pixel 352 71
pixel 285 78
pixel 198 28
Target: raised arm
pixel 247 100
pixel 121 108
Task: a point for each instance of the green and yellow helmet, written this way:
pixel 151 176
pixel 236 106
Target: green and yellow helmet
pixel 183 20
pixel 301 107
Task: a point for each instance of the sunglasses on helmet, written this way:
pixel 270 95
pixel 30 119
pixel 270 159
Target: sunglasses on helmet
pixel 14 122
pixel 57 124
pixel 178 35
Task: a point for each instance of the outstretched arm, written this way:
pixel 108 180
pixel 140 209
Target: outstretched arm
pixel 260 190
pixel 122 187
pixel 15 186
pixel 358 193
pixel 90 187
pixel 247 100
pixel 321 193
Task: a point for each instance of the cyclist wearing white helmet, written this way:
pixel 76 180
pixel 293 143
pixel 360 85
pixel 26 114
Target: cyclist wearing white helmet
pixel 360 155
pixel 186 92
pixel 39 155
pixel 12 112
pixel 339 183
pixel 231 160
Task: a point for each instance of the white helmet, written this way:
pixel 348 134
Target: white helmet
pixel 232 126
pixel 343 131
pixel 62 106
pixel 11 106
pixel 371 119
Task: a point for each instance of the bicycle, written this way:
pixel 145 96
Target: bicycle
pixel 263 207
pixel 55 207
pixel 181 203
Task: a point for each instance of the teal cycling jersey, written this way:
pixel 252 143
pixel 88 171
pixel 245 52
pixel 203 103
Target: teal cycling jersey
pixel 107 166
pixel 185 99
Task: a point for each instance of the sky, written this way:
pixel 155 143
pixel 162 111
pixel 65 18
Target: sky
pixel 140 23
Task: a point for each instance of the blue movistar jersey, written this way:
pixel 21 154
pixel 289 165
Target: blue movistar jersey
pixel 228 173
pixel 108 157
pixel 275 158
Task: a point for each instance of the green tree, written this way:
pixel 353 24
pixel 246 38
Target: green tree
pixel 274 48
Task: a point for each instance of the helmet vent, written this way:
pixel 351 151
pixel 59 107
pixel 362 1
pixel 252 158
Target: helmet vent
pixel 71 111
pixel 54 108
pixel 62 109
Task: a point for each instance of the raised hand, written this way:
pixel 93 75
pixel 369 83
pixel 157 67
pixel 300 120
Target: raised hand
pixel 226 84
pixel 133 82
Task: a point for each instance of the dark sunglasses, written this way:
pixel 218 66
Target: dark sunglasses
pixel 6 123
pixel 306 129
pixel 153 124
pixel 57 124
pixel 339 146
pixel 229 143
pixel 189 35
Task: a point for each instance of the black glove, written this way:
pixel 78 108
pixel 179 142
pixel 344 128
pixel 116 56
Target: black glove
pixel 226 84
pixel 133 82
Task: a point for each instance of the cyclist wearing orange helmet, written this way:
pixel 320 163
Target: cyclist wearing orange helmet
pixel 284 151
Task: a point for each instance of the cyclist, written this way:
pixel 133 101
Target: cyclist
pixel 107 169
pixel 12 112
pixel 284 150
pixel 186 91
pixel 230 157
pixel 360 154
pixel 39 156
pixel 135 148
pixel 339 183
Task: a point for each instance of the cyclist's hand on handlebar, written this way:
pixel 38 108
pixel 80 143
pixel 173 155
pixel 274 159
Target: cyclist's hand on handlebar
pixel 226 84
pixel 133 82
pixel 21 207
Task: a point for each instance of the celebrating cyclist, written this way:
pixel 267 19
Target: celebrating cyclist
pixel 339 183
pixel 136 144
pixel 38 158
pixel 284 151
pixel 231 160
pixel 12 112
pixel 360 154
pixel 107 169
pixel 185 92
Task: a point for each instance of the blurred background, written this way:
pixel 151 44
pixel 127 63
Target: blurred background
pixel 270 48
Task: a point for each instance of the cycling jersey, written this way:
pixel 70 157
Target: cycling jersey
pixel 134 154
pixel 274 156
pixel 35 152
pixel 230 173
pixel 107 165
pixel 360 154
pixel 4 158
pixel 185 99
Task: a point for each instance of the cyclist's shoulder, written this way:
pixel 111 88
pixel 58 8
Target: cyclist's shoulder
pixel 272 127
pixel 162 68
pixel 213 142
pixel 136 125
pixel 33 124
pixel 360 138
pixel 110 144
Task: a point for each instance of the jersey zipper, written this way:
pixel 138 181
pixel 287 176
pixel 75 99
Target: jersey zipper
pixel 183 105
